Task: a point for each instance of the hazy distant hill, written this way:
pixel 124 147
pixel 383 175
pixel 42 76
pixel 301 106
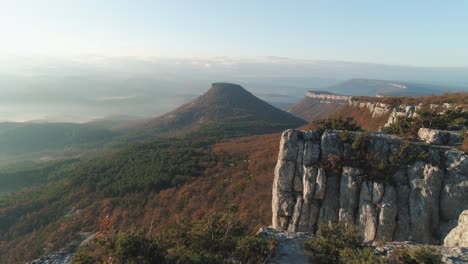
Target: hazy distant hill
pixel 16 138
pixel 224 104
pixel 114 122
pixel 385 88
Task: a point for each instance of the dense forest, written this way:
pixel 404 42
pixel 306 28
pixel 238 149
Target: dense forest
pixel 121 183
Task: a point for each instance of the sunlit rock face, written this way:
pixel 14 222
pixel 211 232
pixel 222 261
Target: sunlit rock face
pixel 389 189
pixel 458 237
pixel 440 137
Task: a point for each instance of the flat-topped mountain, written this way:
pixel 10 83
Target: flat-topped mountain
pixel 224 103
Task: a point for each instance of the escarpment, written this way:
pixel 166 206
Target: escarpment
pixel 390 189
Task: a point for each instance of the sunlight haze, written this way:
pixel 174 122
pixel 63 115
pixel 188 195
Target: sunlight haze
pixel 424 33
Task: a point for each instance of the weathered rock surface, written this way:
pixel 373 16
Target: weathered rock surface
pixel 405 111
pixel 387 216
pixel 440 137
pixel 458 237
pixel 290 248
pixel 325 99
pixel 391 190
pixel 62 257
pixel 349 198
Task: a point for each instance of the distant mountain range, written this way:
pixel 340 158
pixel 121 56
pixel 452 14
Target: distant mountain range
pixel 31 137
pixel 369 87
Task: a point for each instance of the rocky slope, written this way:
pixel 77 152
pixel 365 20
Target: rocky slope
pixel 391 190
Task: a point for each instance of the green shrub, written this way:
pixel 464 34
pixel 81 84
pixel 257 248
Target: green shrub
pixel 214 239
pixel 416 255
pixel 361 141
pixel 360 256
pixel 135 248
pixel 252 249
pixel 428 118
pixel 336 124
pixel 84 257
pixel 330 240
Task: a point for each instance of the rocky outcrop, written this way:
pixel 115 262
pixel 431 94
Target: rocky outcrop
pixel 290 246
pixel 402 111
pixel 440 137
pixel 458 237
pixel 327 97
pixel 391 190
pixel 61 257
pixel 377 109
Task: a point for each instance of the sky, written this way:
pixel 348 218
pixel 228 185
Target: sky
pixel 425 33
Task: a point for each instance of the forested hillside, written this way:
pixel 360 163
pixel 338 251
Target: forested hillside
pixel 157 181
pixel 36 142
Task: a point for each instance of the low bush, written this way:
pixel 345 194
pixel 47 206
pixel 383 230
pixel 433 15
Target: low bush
pixel 217 238
pixel 465 140
pixel 331 241
pixel 252 249
pixel 360 256
pixel 416 255
pixel 339 123
pixel 361 141
pixel 428 118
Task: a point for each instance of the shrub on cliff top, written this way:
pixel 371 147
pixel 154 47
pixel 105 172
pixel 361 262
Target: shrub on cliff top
pixel 339 123
pixel 465 140
pixel 417 255
pixel 360 256
pixel 427 118
pixel 217 238
pixel 331 241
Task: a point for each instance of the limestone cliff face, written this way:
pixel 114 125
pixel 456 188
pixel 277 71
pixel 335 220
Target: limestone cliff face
pixel 319 105
pixel 326 97
pixel 377 109
pixel 405 111
pixel 391 190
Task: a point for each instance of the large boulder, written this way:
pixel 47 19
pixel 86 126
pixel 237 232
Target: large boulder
pixel 440 137
pixel 458 237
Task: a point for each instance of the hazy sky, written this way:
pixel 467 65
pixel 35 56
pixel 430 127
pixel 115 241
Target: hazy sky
pixel 417 32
